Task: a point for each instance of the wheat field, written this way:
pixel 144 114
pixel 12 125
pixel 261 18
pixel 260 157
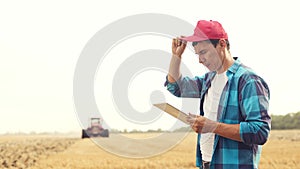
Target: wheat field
pixel 45 152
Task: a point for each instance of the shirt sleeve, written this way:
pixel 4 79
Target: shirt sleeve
pixel 185 87
pixel 254 106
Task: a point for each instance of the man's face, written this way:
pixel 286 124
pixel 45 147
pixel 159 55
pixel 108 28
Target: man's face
pixel 209 56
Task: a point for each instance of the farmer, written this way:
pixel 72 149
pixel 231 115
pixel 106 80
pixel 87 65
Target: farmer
pixel 234 120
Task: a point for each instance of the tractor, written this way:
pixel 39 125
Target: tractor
pixel 95 129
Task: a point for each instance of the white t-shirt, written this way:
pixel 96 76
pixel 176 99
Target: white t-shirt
pixel 210 107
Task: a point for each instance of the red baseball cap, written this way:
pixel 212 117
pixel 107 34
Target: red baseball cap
pixel 207 30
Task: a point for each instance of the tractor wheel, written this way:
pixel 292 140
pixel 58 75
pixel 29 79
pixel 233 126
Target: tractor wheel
pixel 105 133
pixel 84 134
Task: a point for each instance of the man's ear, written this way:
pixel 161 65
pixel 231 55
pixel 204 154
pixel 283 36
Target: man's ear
pixel 222 42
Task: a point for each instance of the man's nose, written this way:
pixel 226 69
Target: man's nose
pixel 201 59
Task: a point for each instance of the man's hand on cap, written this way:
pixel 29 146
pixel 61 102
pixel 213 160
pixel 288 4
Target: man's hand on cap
pixel 178 46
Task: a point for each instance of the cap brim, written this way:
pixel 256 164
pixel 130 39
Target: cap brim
pixel 193 38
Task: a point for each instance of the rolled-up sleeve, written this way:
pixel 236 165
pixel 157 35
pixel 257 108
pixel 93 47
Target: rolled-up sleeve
pixel 254 105
pixel 185 87
pixel 173 87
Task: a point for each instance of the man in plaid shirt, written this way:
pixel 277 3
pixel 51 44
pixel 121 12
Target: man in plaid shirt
pixel 234 120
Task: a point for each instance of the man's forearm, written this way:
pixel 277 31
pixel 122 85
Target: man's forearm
pixel 174 69
pixel 231 131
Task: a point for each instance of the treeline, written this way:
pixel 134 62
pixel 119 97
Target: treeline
pixel 288 121
pixel 136 131
pixel 279 122
pixel 182 129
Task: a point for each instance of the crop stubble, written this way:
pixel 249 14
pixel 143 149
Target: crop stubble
pixel 281 151
pixel 22 152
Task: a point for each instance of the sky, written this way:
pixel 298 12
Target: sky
pixel 41 42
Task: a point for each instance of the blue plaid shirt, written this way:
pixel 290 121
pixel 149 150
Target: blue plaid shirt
pixel 244 101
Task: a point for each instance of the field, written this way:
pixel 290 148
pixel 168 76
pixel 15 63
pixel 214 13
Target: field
pixel 282 151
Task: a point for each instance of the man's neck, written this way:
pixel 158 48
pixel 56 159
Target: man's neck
pixel 227 63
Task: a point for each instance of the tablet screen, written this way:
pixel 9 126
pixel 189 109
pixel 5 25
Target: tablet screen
pixel 173 111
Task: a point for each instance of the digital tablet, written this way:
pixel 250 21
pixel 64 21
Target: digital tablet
pixel 173 111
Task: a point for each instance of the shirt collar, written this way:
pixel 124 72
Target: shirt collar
pixel 233 68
